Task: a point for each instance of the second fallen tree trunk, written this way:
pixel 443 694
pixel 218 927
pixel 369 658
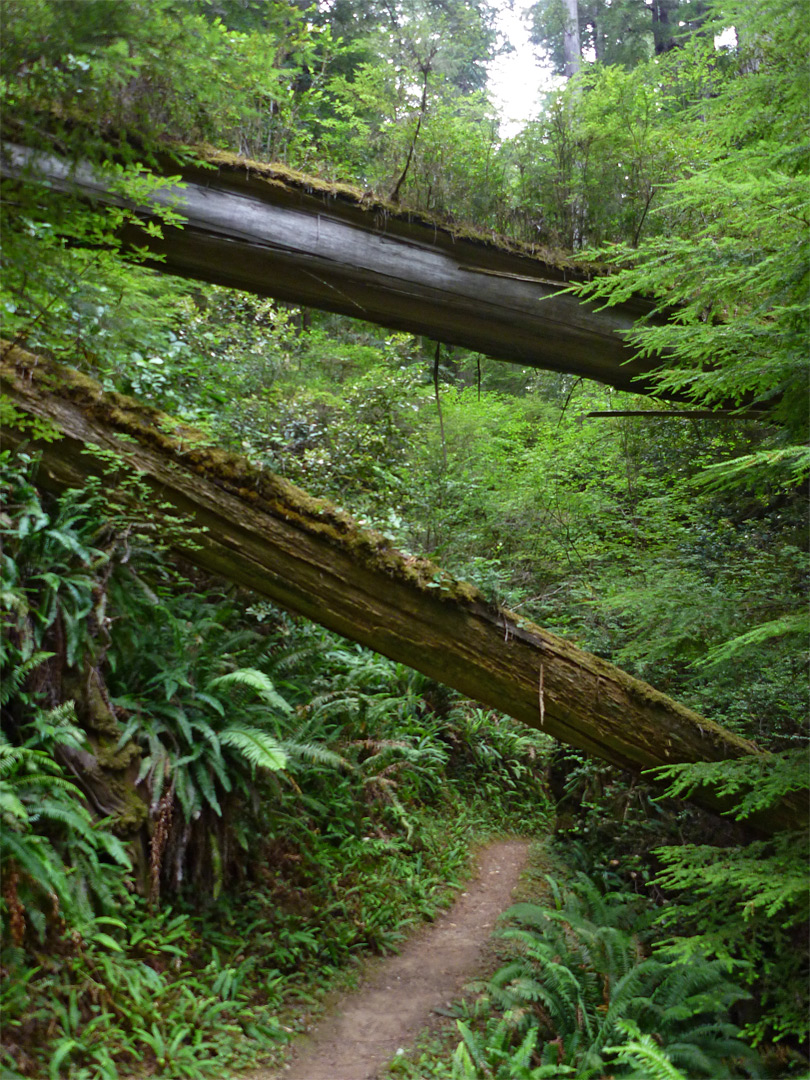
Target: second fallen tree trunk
pixel 263 533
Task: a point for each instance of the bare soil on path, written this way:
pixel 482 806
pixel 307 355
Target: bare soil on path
pixel 363 1030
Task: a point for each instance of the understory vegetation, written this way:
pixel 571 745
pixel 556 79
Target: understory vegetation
pixel 211 808
pixel 304 800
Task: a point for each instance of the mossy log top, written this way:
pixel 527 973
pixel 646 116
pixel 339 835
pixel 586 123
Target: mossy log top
pixel 264 533
pixel 365 206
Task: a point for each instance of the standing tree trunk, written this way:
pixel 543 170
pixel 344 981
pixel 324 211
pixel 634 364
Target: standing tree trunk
pixel 663 28
pixel 573 55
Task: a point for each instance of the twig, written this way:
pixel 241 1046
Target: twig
pixel 436 359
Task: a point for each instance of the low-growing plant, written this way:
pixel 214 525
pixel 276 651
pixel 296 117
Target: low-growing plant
pixel 59 866
pixel 583 990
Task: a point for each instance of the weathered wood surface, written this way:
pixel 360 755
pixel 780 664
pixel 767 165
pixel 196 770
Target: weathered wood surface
pixel 264 534
pixel 252 228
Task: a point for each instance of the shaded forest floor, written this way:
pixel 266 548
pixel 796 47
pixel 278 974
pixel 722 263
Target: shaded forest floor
pixel 361 1031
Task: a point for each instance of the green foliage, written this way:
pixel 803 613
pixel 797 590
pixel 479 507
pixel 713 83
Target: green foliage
pixel 410 120
pixel 756 783
pixel 204 731
pixel 674 547
pixel 249 725
pixel 145 71
pixel 784 467
pixel 736 220
pixel 582 996
pixel 599 157
pixel 407 741
pixel 122 1001
pixel 489 1053
pixel 798 624
pixel 744 904
pixel 105 83
pixel 748 905
pixel 59 866
pixel 648 1060
pixel 619 33
pixel 48 565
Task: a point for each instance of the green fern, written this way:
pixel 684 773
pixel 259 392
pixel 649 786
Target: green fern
pixel 581 976
pixel 315 754
pixel 14 679
pixel 258 748
pixel 257 681
pixel 46 871
pixel 645 1057
pixel 48 834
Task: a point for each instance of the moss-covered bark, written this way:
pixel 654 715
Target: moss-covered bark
pixel 273 538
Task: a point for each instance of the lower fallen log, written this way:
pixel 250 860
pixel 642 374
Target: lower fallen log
pixel 269 536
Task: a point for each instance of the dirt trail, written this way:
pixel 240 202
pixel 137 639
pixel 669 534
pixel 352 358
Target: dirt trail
pixel 363 1031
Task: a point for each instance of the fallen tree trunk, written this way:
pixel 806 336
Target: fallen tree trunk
pixel 272 538
pixel 275 233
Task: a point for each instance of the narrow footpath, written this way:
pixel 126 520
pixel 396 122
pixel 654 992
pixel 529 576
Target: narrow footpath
pixel 362 1032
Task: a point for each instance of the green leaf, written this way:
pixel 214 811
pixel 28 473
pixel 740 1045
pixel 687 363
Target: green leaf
pixel 255 746
pixel 106 940
pixel 63 1049
pixel 255 680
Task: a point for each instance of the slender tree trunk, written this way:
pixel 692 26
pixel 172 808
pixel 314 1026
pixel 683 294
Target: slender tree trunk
pixel 663 28
pixel 573 54
pixel 394 196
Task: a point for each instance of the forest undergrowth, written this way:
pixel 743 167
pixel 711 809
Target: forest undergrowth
pixel 307 803
pixel 269 803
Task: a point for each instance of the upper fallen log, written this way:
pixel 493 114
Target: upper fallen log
pixel 263 533
pixel 268 231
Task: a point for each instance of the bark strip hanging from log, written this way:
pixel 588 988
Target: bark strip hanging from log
pixel 269 536
pixel 260 229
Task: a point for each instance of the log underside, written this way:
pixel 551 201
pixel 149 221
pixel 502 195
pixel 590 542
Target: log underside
pixel 261 229
pixel 263 533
